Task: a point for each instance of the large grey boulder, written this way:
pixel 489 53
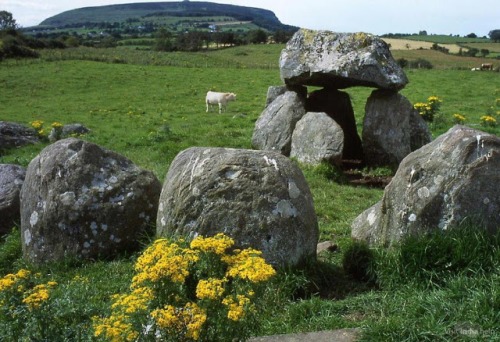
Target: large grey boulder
pixel 11 180
pixel 274 128
pixel 317 138
pixel 15 135
pixel 259 198
pixel 392 129
pixel 339 60
pixel 83 201
pixel 337 104
pixel 436 187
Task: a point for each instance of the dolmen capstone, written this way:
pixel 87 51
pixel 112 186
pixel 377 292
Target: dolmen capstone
pixel 11 180
pixel 335 61
pixel 82 201
pixel 258 198
pixel 436 187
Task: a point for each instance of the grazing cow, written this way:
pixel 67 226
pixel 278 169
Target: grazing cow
pixel 214 98
pixel 486 66
pixel 476 69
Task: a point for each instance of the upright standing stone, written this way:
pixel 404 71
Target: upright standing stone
pixel 392 129
pixel 317 138
pixel 337 105
pixel 274 128
pixel 11 180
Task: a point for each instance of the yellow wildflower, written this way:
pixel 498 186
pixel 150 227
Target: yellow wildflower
pixel 188 320
pixel 114 329
pixel 133 302
pixel 210 289
pixel 217 244
pixel 248 264
pixel 37 296
pixel 236 307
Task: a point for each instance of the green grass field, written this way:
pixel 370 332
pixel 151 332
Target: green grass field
pixel 150 106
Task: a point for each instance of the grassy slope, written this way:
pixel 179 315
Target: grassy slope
pixel 151 112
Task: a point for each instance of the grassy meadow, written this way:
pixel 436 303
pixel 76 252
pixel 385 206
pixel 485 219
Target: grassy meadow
pixel 149 106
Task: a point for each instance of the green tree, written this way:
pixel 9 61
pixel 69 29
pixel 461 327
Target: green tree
pixel 485 52
pixel 257 36
pixel 163 40
pixel 471 35
pixel 495 35
pixel 7 21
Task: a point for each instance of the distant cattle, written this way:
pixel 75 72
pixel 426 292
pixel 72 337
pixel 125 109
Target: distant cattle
pixel 221 99
pixel 486 66
pixel 475 69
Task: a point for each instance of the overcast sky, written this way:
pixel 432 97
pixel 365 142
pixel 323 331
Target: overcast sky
pixel 373 16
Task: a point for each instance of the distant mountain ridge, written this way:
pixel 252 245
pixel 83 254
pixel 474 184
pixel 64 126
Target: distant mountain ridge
pixel 263 18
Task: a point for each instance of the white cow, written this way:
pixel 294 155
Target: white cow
pixel 221 99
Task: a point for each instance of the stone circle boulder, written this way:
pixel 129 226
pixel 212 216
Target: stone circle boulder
pixel 15 135
pixel 317 138
pixel 337 104
pixel 80 200
pixel 259 198
pixel 11 180
pixel 274 128
pixel 392 129
pixel 436 187
pixel 339 60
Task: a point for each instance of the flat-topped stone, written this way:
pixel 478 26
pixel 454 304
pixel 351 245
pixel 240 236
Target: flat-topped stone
pixel 339 60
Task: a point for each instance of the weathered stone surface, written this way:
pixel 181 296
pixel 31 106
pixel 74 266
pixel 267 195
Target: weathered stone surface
pixel 83 201
pixel 67 131
pixel 259 198
pixel 337 105
pixel 436 187
pixel 74 129
pixel 273 130
pixel 317 138
pixel 11 180
pixel 392 129
pixel 339 60
pixel 14 135
pixel 274 91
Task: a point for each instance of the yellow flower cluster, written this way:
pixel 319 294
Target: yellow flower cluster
pixel 37 124
pixel 187 321
pixel 487 120
pixel 38 295
pixel 210 289
pixel 57 125
pixel 10 280
pixel 429 109
pixel 248 264
pixel 217 244
pixel 163 260
pixel 133 302
pixel 114 329
pixel 236 307
pixel 458 118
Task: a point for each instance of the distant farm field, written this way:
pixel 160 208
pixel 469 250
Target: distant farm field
pixel 407 44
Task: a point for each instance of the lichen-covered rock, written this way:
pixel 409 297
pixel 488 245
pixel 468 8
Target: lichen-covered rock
pixel 337 104
pixel 436 187
pixel 317 138
pixel 392 129
pixel 274 128
pixel 259 198
pixel 339 60
pixel 83 201
pixel 11 180
pixel 15 135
